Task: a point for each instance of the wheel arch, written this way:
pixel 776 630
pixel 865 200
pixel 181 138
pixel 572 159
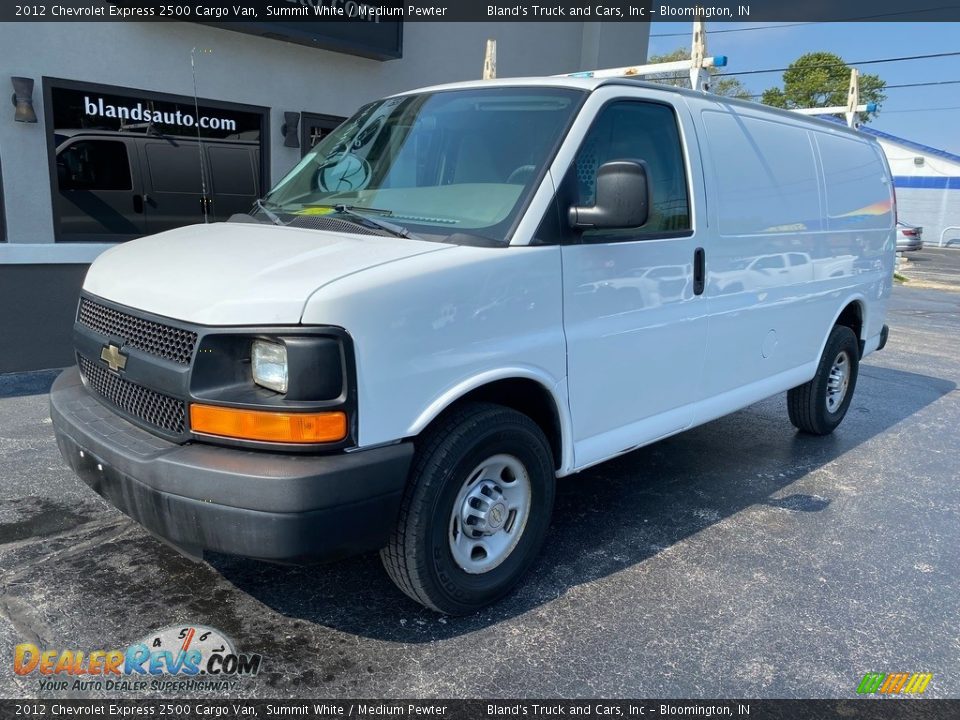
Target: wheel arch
pixel 525 390
pixel 853 314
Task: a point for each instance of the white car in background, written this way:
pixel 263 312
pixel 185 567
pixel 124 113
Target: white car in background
pixel 790 267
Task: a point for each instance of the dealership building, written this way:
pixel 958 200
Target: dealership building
pixel 125 129
pixel 928 186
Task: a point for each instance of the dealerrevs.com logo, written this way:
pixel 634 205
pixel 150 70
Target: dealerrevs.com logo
pixel 177 658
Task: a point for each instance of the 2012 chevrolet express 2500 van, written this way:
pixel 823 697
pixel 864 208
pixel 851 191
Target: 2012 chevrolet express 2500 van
pixel 461 294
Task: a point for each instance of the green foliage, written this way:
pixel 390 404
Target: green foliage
pixel 727 86
pixel 821 79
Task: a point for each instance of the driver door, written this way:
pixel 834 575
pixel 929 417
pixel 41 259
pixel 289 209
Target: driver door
pixel 97 196
pixel 634 321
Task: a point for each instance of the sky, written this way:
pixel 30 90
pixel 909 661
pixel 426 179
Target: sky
pixel 907 112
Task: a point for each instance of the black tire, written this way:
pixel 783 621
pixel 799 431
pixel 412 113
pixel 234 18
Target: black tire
pixel 807 404
pixel 418 557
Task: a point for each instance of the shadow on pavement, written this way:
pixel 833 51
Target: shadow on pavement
pixel 610 517
pixel 36 382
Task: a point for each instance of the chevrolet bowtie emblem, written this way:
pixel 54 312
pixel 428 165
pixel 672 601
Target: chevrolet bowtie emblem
pixel 112 356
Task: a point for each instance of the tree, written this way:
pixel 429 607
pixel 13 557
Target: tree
pixel 728 86
pixel 822 79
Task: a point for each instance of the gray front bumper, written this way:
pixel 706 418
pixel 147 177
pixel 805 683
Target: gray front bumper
pixel 281 507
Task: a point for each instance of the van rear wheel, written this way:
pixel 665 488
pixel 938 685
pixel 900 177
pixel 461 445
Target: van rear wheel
pixel 476 510
pixel 817 407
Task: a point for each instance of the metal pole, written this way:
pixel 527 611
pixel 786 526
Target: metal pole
pixel 490 61
pixel 204 200
pixel 944 233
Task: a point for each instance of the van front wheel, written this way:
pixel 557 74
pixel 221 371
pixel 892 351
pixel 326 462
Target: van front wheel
pixel 476 510
pixel 817 407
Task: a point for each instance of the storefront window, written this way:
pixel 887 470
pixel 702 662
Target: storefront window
pixel 126 163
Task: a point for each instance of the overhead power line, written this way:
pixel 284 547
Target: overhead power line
pixel 921 84
pixel 902 85
pixel 733 30
pixel 932 109
pixel 848 64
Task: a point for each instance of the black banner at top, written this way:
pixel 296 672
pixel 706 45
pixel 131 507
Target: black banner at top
pixel 397 11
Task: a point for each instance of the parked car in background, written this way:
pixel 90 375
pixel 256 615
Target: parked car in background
pixel 909 237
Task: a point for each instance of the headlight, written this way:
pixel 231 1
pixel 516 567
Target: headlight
pixel 270 365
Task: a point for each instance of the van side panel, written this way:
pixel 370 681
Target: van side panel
pixel 860 210
pixel 788 245
pixel 787 250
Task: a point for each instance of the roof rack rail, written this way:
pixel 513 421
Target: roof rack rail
pixel 696 65
pixel 849 110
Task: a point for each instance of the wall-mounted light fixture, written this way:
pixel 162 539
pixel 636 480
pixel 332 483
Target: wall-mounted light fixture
pixel 291 129
pixel 23 100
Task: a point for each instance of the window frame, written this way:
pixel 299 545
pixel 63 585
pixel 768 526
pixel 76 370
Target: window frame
pixel 312 119
pixel 3 210
pixel 571 236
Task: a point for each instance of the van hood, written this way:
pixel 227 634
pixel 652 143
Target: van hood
pixel 237 273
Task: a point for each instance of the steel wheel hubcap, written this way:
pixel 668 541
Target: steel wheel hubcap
pixel 490 514
pixel 838 381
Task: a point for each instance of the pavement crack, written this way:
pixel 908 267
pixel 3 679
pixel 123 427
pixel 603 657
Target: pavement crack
pixel 83 545
pixel 18 620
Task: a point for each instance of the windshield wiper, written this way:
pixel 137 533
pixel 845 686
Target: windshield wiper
pixel 351 212
pixel 274 218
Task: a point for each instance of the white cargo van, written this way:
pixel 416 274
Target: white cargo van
pixel 462 294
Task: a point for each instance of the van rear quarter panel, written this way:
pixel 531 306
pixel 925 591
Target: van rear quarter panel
pixel 800 222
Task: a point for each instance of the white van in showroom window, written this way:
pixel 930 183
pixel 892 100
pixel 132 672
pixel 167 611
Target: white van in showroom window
pixel 460 295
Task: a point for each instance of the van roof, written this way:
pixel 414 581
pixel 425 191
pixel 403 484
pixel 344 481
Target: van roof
pixel 589 84
pixel 96 132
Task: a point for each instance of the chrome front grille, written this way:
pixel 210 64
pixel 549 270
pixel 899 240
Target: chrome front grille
pixel 163 341
pixel 149 406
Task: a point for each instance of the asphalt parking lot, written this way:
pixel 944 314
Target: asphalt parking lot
pixel 739 559
pixel 933 267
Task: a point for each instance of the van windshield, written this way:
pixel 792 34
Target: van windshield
pixel 456 165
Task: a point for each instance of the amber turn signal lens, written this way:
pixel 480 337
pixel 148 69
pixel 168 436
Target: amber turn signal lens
pixel 267 426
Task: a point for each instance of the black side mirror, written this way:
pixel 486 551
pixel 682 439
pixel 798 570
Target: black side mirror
pixel 622 198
